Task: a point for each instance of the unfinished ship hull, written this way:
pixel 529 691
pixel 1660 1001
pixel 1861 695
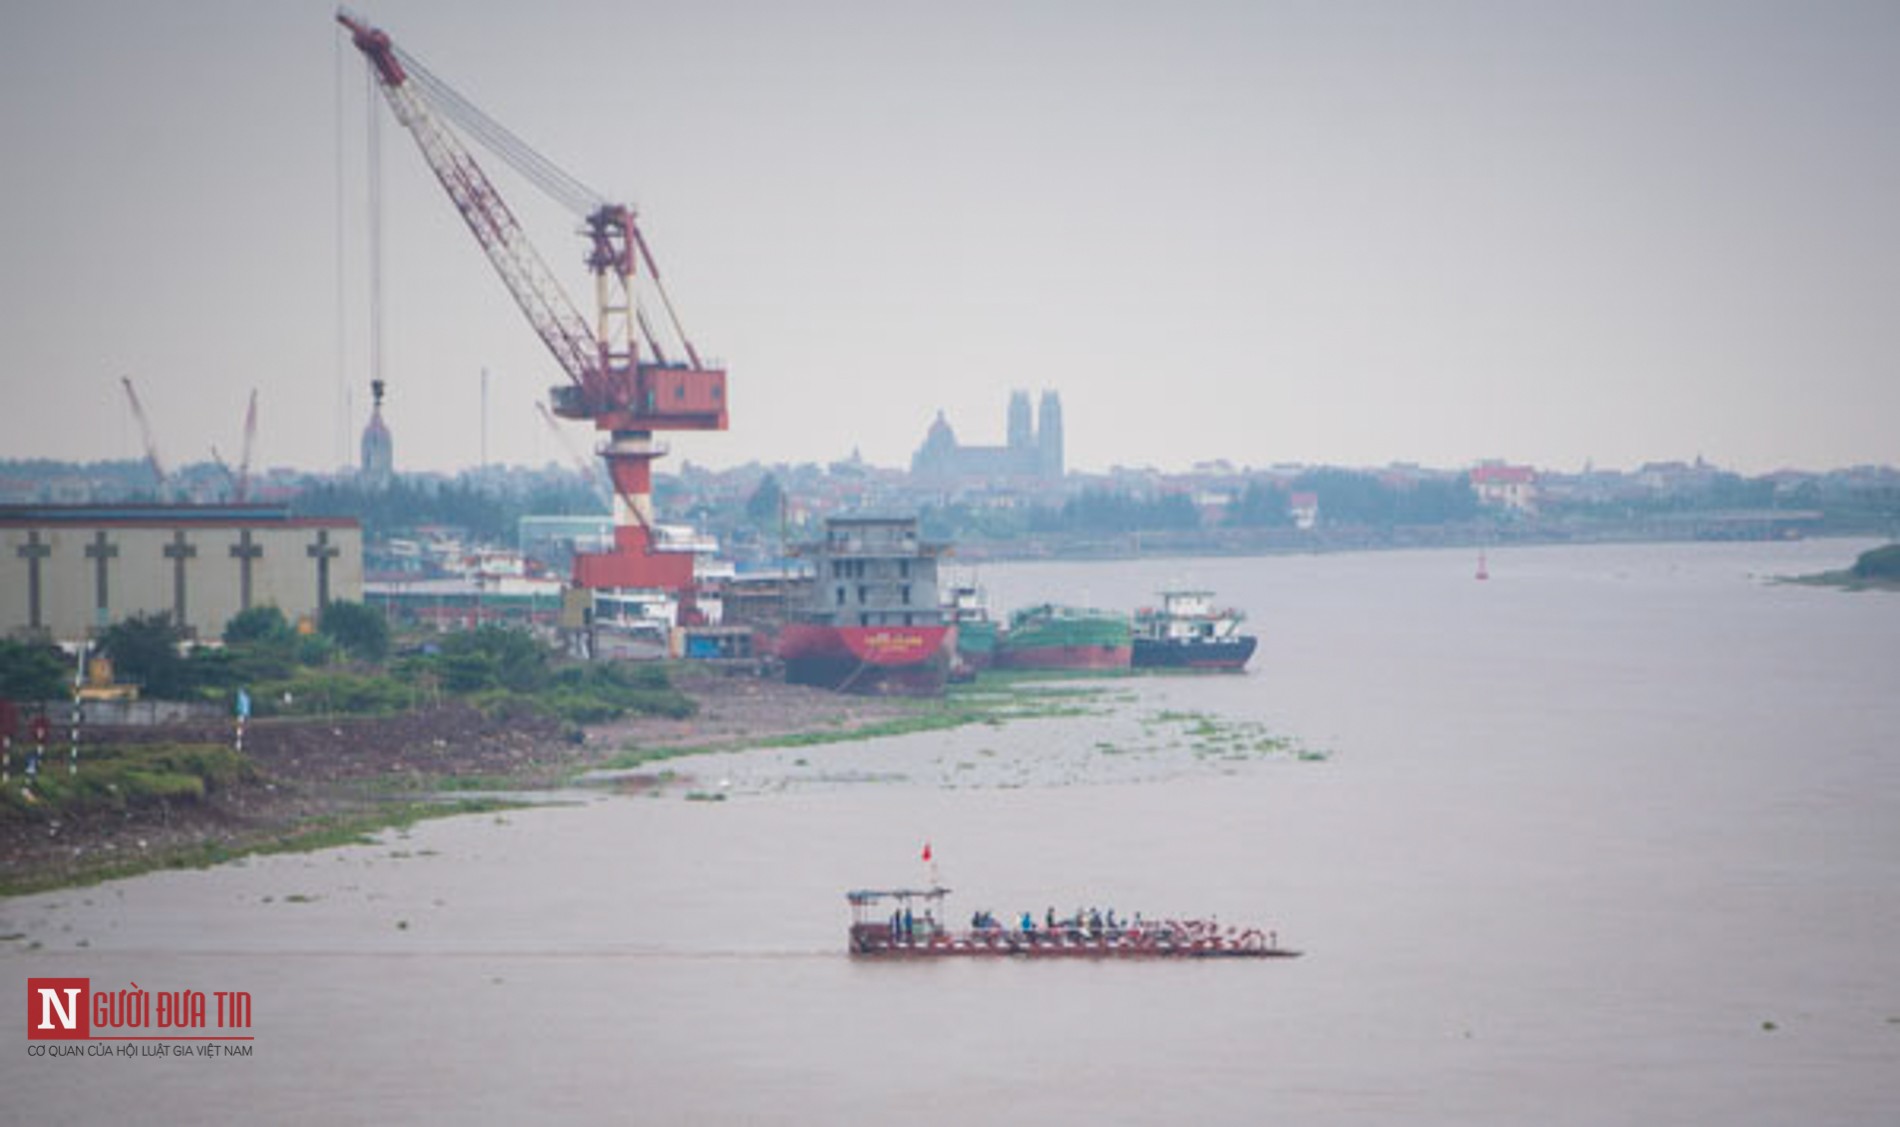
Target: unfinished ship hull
pixel 878 660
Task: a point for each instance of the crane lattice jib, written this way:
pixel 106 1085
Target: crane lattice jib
pixel 548 308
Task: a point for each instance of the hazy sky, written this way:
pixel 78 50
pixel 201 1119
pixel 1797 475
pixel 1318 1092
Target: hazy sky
pixel 1333 232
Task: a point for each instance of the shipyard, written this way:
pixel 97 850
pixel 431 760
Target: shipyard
pixel 1034 562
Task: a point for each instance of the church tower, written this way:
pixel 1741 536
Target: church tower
pixel 1049 436
pixel 1022 434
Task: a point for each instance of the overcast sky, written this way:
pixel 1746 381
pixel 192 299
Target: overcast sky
pixel 1352 233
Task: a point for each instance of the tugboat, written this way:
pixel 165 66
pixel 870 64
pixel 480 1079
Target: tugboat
pixel 1187 632
pixel 1048 636
pixel 872 624
pixel 907 923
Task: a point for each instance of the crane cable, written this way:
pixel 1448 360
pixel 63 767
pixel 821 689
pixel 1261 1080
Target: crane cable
pixel 562 186
pixel 373 161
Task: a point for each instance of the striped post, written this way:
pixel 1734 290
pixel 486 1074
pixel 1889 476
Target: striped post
pixel 72 763
pixel 243 709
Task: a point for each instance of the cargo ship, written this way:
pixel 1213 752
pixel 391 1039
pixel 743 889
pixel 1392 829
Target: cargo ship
pixel 1187 632
pixel 1048 636
pixel 872 623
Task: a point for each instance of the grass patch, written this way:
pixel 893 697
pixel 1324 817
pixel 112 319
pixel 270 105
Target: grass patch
pixel 1208 736
pixel 122 777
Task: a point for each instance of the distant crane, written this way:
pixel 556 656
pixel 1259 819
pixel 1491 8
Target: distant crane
pixel 145 431
pixel 240 480
pixel 609 382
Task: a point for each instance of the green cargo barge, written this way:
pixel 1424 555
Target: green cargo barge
pixel 1049 636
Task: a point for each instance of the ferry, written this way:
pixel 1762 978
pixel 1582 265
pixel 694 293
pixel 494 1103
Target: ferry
pixel 910 923
pixel 1187 632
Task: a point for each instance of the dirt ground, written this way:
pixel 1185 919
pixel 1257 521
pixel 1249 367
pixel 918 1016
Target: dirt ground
pixel 311 770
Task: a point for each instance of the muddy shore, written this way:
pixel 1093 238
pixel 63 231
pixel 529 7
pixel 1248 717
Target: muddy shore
pixel 355 772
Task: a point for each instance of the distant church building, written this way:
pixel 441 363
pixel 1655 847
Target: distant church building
pixel 379 449
pixel 1033 450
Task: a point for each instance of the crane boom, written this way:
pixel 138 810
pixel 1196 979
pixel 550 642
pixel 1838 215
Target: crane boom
pixel 548 308
pixel 244 459
pixel 145 432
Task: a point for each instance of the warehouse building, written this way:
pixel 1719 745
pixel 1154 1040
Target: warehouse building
pixel 68 571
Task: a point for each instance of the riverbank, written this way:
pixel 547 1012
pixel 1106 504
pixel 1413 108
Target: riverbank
pixel 1877 569
pixel 315 782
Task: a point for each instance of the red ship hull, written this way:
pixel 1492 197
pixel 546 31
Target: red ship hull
pixel 893 660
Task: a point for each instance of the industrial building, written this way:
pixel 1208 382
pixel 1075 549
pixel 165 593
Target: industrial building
pixel 69 571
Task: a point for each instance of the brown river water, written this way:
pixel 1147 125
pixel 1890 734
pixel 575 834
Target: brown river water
pixel 1611 838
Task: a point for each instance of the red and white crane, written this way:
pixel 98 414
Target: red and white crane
pixel 610 383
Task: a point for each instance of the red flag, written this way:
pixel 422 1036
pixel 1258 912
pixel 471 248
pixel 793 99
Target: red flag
pixel 926 851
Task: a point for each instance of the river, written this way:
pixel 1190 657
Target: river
pixel 1613 837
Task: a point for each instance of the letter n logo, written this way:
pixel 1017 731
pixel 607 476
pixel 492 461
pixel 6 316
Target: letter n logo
pixel 58 1009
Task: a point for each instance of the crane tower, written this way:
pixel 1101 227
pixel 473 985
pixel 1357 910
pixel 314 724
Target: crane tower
pixel 611 383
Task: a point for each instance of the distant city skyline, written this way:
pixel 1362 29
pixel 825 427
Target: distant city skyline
pixel 1353 235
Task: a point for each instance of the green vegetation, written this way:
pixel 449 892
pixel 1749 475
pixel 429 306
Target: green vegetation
pixel 260 646
pixel 1098 510
pixel 1353 497
pixel 508 672
pixel 327 692
pixel 1876 569
pixel 1880 564
pixel 358 630
pixel 505 671
pixel 33 671
pixel 1209 736
pixel 144 651
pixel 121 777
